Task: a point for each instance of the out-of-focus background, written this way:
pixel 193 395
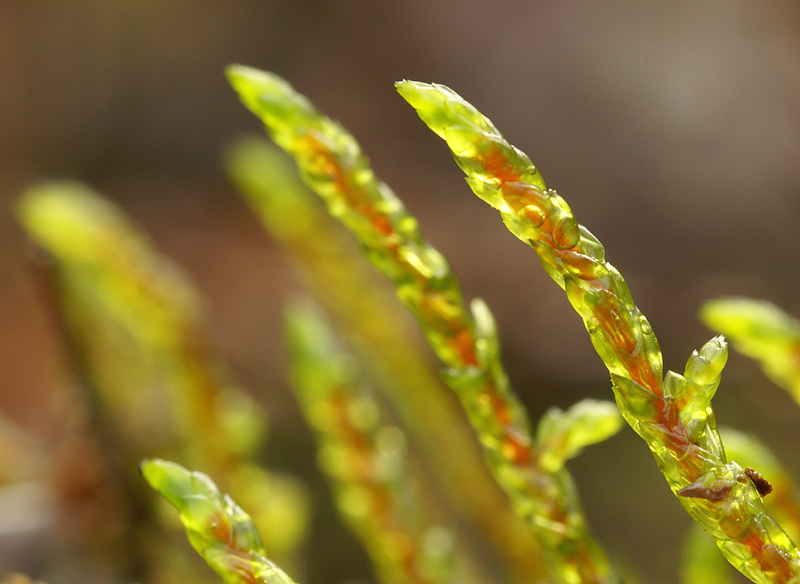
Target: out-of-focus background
pixel 673 130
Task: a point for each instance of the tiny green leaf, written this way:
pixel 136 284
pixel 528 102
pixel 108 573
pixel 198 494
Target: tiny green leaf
pixel 562 435
pixel 215 525
pixel 763 332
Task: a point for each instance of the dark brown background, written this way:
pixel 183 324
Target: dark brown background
pixel 673 130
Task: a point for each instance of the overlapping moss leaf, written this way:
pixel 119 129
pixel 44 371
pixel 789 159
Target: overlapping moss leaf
pixel 465 340
pixel 673 414
pixel 218 529
pixel 371 319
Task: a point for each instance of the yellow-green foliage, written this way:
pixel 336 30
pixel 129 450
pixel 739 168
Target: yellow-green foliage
pixel 135 331
pixel 701 562
pixel 783 502
pixel 465 340
pixel 135 322
pixel 138 341
pixel 375 323
pixel 762 331
pixel 364 458
pixel 216 526
pixel 672 414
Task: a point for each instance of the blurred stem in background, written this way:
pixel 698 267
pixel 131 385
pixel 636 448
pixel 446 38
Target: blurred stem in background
pixel 370 318
pixel 365 460
pixel 133 326
pixel 465 340
pixel 762 331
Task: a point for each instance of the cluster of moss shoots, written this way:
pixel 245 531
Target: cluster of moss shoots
pixel 516 489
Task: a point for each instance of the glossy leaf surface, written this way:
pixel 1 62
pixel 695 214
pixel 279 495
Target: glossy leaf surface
pixel 465 339
pixel 215 525
pixel 671 413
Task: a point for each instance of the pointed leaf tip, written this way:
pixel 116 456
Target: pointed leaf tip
pixel 236 72
pixel 237 75
pixel 706 364
pixel 564 434
pixel 250 82
pixel 429 101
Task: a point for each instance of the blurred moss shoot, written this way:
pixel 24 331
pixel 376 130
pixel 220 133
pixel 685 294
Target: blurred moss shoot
pixel 424 468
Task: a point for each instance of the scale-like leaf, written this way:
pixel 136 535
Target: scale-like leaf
pixel 465 340
pixel 672 414
pixel 380 330
pixel 215 525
